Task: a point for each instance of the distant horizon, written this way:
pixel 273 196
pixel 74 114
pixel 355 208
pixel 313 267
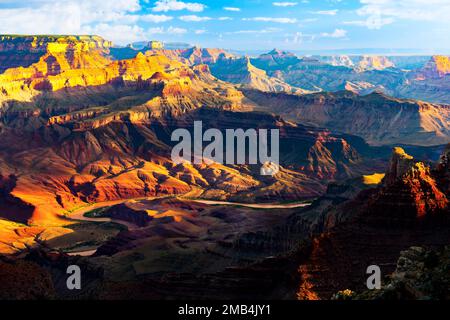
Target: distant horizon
pixel 298 51
pixel 302 25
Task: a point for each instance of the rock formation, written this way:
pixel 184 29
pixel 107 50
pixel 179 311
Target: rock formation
pixel 410 210
pixel 337 61
pixel 22 51
pixel 241 71
pixel 421 274
pixel 275 60
pixel 193 56
pixel 366 62
pixel 377 118
pixel 437 67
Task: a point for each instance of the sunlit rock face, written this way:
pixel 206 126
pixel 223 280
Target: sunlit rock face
pixel 410 208
pixel 22 51
pixel 53 63
pixel 74 67
pixel 437 67
pixel 412 189
pixel 372 63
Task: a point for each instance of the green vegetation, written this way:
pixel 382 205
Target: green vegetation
pixel 97 213
pixel 68 212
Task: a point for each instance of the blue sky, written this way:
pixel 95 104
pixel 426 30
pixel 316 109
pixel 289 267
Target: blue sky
pixel 242 24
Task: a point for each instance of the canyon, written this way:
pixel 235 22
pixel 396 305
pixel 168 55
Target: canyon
pixel 422 78
pixel 87 177
pixel 379 119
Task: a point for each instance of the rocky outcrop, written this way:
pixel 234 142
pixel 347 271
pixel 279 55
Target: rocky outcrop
pixel 400 164
pixel 411 210
pixel 241 71
pixel 411 189
pixel 23 51
pixel 337 61
pixel 421 274
pixel 275 60
pixel 437 67
pixel 366 62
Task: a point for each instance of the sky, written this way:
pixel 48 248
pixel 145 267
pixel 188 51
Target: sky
pixel 421 25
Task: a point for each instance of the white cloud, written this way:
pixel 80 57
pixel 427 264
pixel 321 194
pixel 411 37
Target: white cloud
pixel 71 17
pixel 269 19
pixel 378 13
pixel 373 22
pixel 200 31
pixel 155 18
pixel 194 18
pixel 232 9
pixel 44 20
pixel 92 11
pixel 262 31
pixel 170 30
pixel 114 20
pixel 64 16
pixel 285 4
pixel 337 33
pixel 157 30
pixel 297 38
pixel 225 18
pixel 175 5
pixel 120 33
pixel 173 30
pixel 327 12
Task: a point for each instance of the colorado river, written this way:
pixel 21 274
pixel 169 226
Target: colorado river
pixel 255 206
pixel 79 214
